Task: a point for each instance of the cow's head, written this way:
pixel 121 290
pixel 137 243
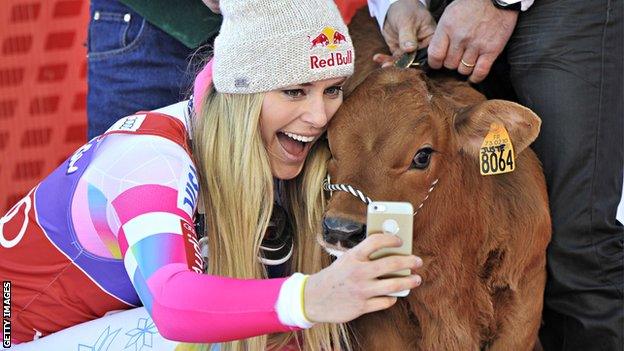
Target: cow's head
pixel 399 132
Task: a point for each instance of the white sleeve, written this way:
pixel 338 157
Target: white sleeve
pixel 525 4
pixel 289 306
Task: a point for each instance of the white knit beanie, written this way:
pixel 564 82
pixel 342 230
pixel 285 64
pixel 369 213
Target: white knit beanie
pixel 270 44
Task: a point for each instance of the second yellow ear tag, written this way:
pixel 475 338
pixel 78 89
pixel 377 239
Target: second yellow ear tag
pixel 496 155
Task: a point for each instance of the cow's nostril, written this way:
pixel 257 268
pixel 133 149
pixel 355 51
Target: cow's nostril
pixel 340 229
pixel 354 240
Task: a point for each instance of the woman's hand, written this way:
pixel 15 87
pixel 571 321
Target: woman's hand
pixel 350 287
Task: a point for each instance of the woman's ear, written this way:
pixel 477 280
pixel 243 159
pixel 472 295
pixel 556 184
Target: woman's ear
pixel 473 123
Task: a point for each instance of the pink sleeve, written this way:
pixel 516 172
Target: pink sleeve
pixel 192 308
pixel 157 240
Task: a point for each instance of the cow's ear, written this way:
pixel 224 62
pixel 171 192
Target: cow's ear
pixel 473 123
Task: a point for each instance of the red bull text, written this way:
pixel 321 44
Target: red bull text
pixel 331 60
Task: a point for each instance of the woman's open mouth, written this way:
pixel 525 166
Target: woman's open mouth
pixel 295 146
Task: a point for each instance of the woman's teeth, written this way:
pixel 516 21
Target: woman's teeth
pixel 301 138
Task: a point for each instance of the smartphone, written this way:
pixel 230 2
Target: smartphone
pixel 392 218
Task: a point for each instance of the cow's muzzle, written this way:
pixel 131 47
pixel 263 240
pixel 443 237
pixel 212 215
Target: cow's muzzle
pixel 342 231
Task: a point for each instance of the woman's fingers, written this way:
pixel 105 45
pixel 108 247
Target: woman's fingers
pixel 379 303
pixel 388 286
pixel 373 243
pixel 389 264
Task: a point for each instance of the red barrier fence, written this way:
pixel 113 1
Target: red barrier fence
pixel 43 89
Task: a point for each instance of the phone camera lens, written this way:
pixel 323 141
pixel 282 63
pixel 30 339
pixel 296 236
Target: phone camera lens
pixel 375 208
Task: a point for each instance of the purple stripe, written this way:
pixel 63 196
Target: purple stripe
pixel 53 205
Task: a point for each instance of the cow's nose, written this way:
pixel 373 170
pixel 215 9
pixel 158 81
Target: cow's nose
pixel 349 233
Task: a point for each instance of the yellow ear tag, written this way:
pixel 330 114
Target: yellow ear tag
pixel 496 153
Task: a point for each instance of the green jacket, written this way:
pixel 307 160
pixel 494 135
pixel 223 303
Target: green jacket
pixel 189 21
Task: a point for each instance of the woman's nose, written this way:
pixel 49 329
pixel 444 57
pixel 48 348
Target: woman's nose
pixel 315 112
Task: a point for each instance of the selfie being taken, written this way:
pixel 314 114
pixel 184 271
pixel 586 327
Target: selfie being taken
pixel 312 175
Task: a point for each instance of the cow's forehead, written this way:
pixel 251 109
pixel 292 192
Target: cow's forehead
pixel 389 103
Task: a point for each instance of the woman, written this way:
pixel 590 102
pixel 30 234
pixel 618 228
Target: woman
pixel 114 226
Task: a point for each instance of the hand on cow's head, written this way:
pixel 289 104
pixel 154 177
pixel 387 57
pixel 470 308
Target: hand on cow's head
pixel 473 123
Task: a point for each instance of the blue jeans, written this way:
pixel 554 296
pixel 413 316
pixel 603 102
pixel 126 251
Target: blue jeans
pixel 132 66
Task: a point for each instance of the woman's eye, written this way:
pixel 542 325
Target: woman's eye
pixel 333 91
pixel 294 93
pixel 422 158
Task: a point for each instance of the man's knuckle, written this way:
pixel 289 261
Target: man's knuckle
pixel 481 72
pixel 435 53
pixel 461 39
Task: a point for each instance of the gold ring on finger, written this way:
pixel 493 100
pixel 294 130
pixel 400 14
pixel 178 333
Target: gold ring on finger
pixel 467 64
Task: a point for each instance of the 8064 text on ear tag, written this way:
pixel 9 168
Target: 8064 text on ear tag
pixel 496 155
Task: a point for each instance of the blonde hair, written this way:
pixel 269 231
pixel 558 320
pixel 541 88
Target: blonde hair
pixel 237 195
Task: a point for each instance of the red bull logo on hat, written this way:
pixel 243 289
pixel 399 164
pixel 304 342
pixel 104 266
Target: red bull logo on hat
pixel 325 47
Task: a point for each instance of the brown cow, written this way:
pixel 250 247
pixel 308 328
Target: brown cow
pixel 482 238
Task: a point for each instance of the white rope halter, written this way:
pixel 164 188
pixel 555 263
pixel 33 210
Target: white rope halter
pixel 328 186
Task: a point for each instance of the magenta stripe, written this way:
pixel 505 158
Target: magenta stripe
pixel 148 198
pixel 123 242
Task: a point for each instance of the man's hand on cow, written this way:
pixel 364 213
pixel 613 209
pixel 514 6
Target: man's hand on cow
pixel 213 5
pixel 470 36
pixel 350 287
pixel 408 26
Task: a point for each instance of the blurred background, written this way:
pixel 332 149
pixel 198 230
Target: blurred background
pixel 43 86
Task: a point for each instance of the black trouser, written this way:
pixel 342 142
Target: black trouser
pixel 566 65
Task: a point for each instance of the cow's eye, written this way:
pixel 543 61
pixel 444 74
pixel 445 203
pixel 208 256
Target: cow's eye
pixel 422 158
